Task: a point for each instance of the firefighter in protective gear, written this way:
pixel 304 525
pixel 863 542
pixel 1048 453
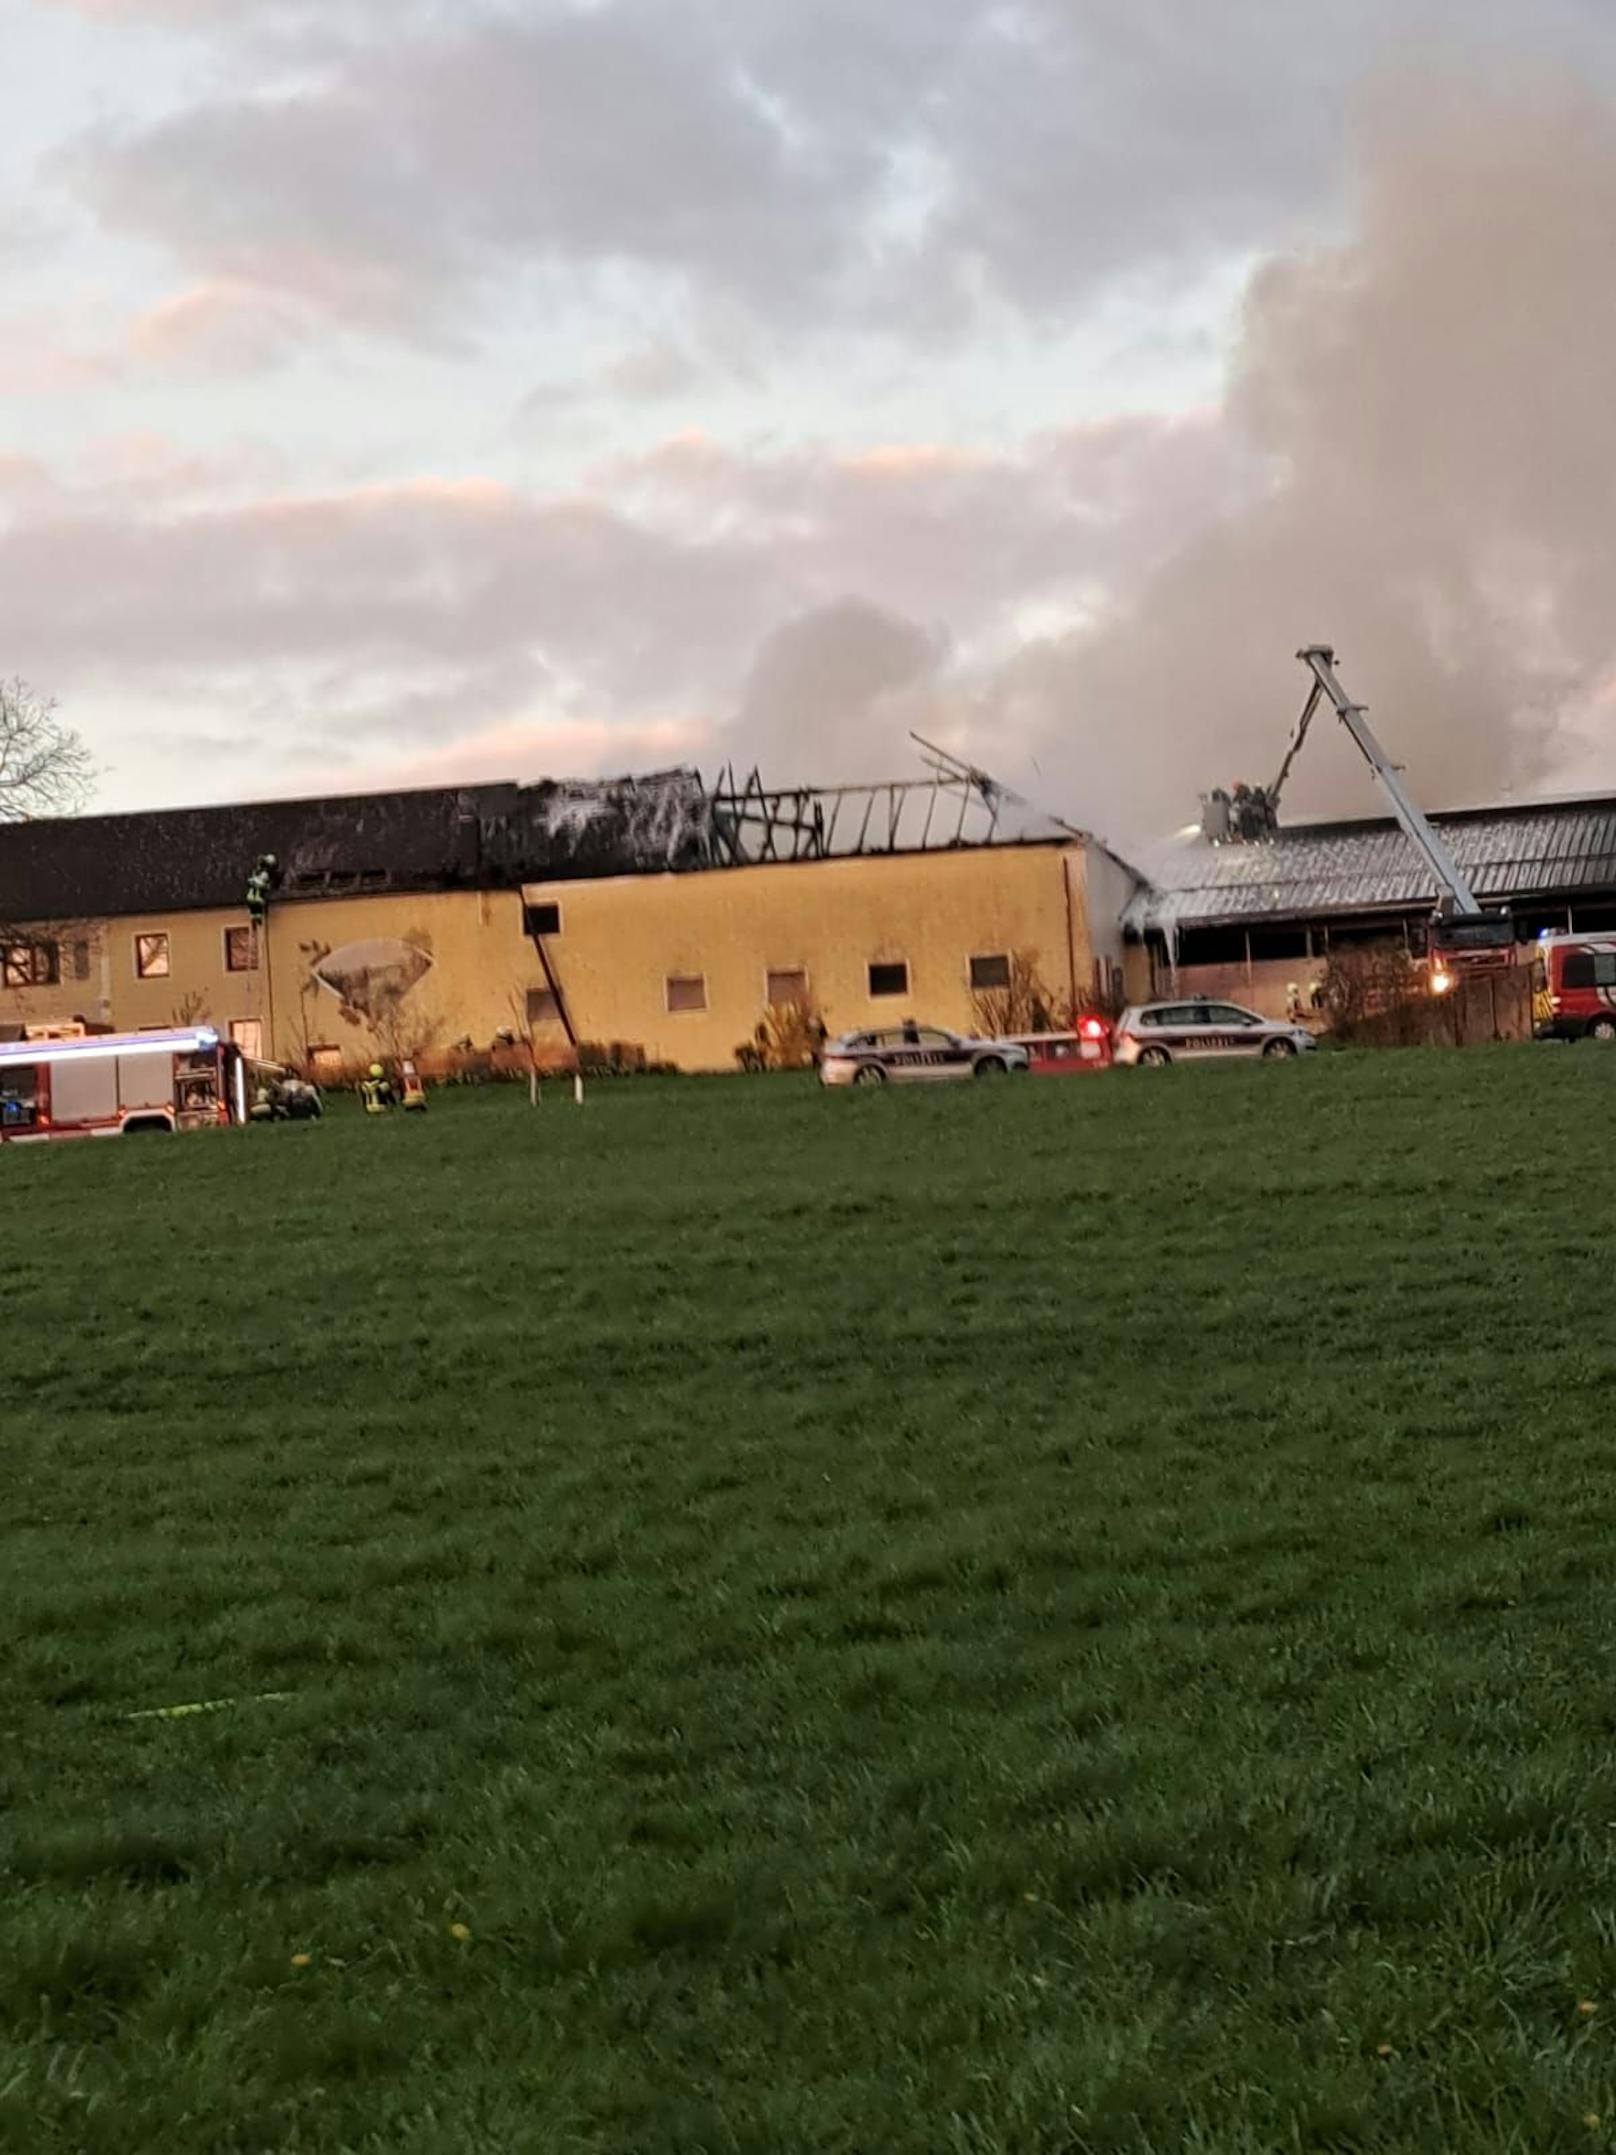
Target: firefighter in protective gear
pixel 412 1096
pixel 259 885
pixel 376 1092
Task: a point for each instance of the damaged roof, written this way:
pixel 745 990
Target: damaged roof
pixel 1543 849
pixel 439 838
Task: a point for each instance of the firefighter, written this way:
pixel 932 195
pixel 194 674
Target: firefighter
pixel 259 884
pixel 412 1098
pixel 376 1092
pixel 300 1101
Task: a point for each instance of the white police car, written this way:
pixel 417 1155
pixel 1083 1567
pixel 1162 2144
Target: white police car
pixel 909 1053
pixel 1155 1033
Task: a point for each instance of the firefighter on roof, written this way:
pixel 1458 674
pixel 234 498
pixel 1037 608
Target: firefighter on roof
pixel 259 885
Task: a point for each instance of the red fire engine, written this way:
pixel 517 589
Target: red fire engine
pixel 1574 987
pixel 107 1084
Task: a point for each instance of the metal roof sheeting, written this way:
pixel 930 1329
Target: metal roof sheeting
pixel 1537 850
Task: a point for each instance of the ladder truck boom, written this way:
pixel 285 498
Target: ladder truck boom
pixel 1463 936
pixel 1451 880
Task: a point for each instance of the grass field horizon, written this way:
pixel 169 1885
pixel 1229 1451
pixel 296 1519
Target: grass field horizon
pixel 1042 1617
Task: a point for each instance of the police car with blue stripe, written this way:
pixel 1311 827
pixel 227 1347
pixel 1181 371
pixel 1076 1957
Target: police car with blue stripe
pixel 910 1053
pixel 1184 1032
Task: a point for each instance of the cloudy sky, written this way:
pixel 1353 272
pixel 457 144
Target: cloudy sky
pixel 405 390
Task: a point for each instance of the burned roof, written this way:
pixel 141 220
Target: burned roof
pixel 440 838
pixel 1543 849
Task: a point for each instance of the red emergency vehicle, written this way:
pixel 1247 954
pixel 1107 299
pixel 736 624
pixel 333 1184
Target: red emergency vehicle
pixel 1057 1054
pixel 115 1084
pixel 1574 987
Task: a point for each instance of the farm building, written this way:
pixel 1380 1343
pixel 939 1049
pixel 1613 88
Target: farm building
pixel 1251 920
pixel 653 912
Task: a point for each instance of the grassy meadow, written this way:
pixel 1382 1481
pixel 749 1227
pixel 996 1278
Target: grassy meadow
pixel 1043 1617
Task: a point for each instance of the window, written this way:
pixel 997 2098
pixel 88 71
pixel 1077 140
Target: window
pixel 151 957
pixel 1589 969
pixel 542 1007
pixel 1228 1014
pixel 19 1098
pixel 241 950
pixel 541 919
pixel 30 965
pixel 890 979
pixel 325 1057
pixel 990 972
pixel 687 991
pixel 248 1034
pixel 81 961
pixel 1277 942
pixel 1212 946
pixel 788 985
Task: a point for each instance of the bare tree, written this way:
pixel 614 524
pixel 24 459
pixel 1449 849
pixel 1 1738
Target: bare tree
pixel 1022 1005
pixel 45 768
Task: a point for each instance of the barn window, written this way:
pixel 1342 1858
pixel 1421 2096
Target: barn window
pixel 30 965
pixel 541 919
pixel 687 991
pixel 990 972
pixel 542 1007
pixel 890 978
pixel 151 957
pixel 786 986
pixel 248 1034
pixel 241 950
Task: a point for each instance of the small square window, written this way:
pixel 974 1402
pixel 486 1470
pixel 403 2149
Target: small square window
pixel 543 1007
pixel 248 1034
pixel 326 1057
pixel 990 972
pixel 241 950
pixel 687 991
pixel 151 957
pixel 541 919
pixel 789 985
pixel 890 979
pixel 30 965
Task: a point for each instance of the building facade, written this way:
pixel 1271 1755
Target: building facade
pixel 648 916
pixel 1252 921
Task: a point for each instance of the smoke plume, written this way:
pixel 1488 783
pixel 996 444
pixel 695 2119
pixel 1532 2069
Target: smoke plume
pixel 1428 410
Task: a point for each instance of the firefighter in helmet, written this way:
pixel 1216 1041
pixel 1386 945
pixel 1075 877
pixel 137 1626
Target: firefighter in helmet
pixel 376 1092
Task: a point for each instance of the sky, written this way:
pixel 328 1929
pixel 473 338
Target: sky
pixel 425 391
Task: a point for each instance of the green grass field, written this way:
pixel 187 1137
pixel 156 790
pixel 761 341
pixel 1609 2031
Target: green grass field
pixel 1054 1616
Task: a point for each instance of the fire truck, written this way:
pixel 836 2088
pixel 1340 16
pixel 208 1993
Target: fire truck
pixel 119 1084
pixel 1574 988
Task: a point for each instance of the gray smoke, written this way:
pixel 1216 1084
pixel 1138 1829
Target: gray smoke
pixel 1430 406
pixel 832 691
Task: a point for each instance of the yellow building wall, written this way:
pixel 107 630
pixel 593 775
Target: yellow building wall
pixel 622 939
pixel 474 968
pixel 473 987
pixel 464 969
